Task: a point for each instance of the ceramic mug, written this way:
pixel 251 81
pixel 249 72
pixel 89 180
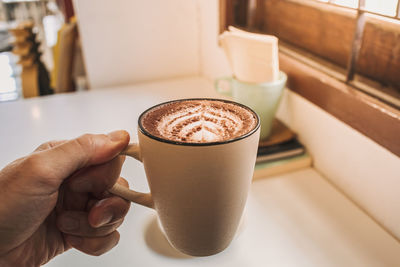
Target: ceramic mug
pixel 263 98
pixel 199 190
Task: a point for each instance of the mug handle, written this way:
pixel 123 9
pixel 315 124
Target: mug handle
pixel 223 91
pixel 144 199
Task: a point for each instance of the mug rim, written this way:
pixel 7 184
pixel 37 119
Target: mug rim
pixel 251 132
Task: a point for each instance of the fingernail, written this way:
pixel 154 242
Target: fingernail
pixel 69 223
pixel 116 135
pixel 106 218
pixel 74 240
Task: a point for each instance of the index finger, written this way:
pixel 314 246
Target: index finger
pixel 58 163
pixel 96 179
pixel 49 145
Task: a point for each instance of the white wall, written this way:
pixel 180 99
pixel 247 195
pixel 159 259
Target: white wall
pixel 213 60
pixel 365 171
pixel 130 41
pixel 134 41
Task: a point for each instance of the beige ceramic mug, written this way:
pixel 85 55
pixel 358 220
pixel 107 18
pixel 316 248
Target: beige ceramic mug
pixel 199 190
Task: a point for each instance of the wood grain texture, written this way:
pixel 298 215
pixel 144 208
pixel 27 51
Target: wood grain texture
pixel 369 116
pixel 256 19
pixel 327 31
pixel 280 133
pixel 379 57
pixel 314 28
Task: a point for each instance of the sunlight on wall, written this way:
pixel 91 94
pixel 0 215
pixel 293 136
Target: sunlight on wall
pixel 384 7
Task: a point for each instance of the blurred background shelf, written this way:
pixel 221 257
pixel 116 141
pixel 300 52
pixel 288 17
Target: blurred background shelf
pixel 49 51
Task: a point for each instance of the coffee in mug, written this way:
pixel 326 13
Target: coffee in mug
pixel 198 121
pixel 199 157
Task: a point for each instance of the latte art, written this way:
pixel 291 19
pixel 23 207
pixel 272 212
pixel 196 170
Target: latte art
pixel 199 121
pixel 202 123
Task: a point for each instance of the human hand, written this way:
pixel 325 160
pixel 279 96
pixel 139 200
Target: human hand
pixel 56 198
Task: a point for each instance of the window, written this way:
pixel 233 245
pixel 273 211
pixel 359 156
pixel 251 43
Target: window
pixel 384 8
pixel 358 40
pixel 342 55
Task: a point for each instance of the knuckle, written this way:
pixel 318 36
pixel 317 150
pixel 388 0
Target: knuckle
pixel 43 146
pixel 55 143
pixel 36 165
pixel 84 144
pixel 48 145
pixel 123 182
pixel 85 141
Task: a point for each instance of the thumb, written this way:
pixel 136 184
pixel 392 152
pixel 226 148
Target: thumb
pixel 61 161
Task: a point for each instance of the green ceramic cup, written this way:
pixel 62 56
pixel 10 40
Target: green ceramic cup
pixel 263 98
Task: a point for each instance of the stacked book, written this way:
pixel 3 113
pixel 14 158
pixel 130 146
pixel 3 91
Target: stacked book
pixel 280 153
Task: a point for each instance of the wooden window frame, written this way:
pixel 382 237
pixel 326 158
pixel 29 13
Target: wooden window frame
pixel 327 89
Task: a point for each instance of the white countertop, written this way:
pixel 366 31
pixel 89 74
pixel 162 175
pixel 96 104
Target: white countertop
pixel 296 219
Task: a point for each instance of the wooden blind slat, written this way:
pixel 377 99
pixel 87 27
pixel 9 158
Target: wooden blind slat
pixel 326 34
pixel 327 31
pixel 379 57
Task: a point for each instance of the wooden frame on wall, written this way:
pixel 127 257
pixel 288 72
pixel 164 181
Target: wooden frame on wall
pixel 368 115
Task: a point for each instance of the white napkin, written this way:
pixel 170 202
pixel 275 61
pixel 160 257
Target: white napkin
pixel 253 57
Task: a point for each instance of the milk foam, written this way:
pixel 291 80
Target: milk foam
pixel 202 121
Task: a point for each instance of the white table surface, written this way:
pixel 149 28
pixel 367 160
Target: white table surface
pixel 296 219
